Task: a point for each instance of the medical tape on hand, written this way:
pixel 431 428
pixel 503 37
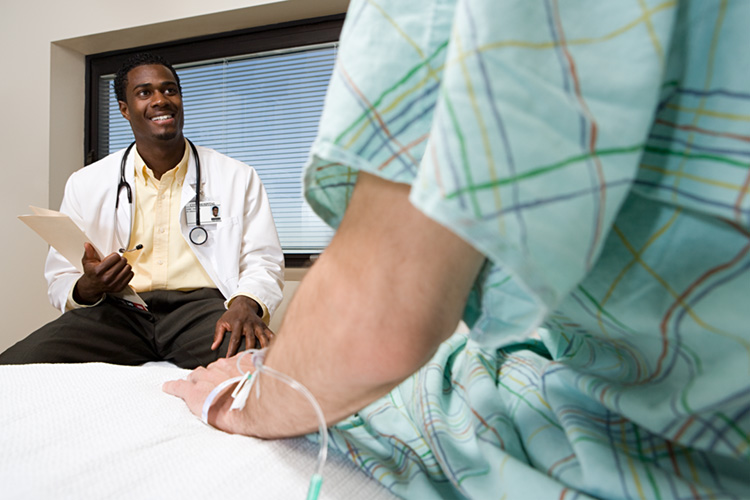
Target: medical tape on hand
pixel 242 391
pixel 215 392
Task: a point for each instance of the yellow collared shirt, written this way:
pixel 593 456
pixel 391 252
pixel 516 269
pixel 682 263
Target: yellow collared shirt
pixel 166 261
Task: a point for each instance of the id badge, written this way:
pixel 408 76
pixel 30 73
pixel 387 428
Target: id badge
pixel 210 212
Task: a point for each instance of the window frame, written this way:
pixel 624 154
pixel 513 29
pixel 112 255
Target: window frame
pixel 228 44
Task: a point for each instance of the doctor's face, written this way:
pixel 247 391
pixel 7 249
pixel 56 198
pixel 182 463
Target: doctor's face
pixel 154 105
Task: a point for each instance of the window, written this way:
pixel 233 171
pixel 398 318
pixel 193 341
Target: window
pixel 256 96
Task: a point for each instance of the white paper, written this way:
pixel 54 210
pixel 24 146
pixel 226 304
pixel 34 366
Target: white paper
pixel 66 237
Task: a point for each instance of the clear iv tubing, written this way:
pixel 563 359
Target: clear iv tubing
pixel 258 356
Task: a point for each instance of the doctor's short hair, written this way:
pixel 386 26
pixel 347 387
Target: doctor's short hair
pixel 140 59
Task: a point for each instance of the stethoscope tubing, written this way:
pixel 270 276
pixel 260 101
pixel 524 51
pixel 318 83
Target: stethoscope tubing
pixel 198 235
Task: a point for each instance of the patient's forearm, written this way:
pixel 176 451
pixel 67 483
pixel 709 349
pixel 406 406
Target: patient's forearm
pixel 390 287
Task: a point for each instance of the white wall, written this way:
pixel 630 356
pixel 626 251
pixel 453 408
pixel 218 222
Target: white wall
pixel 43 46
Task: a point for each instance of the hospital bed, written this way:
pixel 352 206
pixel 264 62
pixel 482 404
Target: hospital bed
pixel 101 431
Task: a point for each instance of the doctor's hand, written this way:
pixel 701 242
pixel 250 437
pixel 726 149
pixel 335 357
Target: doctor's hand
pixel 242 319
pixel 111 274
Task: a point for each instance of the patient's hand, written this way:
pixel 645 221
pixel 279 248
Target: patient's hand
pixel 195 388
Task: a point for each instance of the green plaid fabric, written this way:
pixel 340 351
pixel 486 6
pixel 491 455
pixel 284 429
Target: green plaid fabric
pixel 597 153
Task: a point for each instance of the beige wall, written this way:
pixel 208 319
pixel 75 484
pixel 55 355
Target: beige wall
pixel 44 45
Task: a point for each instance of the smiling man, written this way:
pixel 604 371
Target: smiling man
pixel 209 284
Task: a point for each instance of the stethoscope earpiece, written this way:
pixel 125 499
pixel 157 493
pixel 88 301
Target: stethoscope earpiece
pixel 134 249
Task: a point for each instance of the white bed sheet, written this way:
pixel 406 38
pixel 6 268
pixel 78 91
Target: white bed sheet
pixel 100 431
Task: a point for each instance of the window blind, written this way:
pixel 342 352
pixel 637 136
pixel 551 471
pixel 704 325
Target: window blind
pixel 261 109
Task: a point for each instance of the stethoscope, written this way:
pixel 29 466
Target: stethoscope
pixel 198 235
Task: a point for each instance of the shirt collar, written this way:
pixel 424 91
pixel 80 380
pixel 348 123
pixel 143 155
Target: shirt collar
pixel 146 175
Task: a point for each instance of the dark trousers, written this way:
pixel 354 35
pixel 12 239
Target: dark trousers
pixel 178 327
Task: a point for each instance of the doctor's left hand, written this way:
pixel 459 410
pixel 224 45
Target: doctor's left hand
pixel 242 321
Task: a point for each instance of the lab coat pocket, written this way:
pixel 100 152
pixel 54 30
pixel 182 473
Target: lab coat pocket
pixel 225 232
pixel 224 252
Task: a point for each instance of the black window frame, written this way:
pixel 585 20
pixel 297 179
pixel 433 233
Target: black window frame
pixel 313 31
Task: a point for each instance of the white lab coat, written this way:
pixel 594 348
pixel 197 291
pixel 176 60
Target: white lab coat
pixel 242 254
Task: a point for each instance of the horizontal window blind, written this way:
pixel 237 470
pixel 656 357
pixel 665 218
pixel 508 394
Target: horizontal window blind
pixel 261 109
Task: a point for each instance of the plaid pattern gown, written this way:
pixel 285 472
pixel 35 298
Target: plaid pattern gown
pixel 596 152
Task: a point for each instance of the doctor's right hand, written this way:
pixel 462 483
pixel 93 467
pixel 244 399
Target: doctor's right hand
pixel 111 274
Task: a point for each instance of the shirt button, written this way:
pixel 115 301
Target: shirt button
pixel 161 229
pixel 162 197
pixel 160 262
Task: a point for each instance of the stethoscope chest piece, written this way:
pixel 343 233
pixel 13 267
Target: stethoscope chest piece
pixel 198 235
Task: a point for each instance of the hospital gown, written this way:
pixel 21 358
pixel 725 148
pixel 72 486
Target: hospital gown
pixel 596 152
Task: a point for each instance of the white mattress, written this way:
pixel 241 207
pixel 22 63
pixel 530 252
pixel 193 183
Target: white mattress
pixel 96 431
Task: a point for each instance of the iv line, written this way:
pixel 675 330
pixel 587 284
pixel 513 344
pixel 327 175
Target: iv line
pixel 242 391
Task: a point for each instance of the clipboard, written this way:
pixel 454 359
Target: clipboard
pixel 64 235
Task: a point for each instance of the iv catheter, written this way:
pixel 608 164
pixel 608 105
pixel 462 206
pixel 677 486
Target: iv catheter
pixel 242 391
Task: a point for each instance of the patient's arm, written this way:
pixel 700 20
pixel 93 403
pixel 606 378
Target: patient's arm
pixel 374 308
